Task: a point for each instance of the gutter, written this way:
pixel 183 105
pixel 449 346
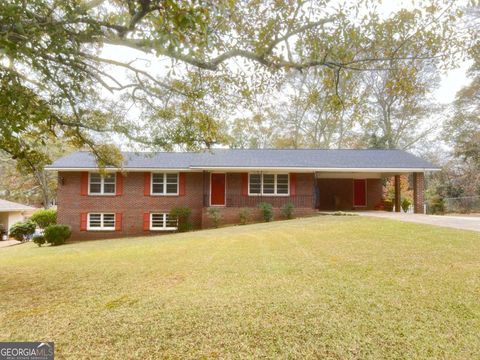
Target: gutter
pixel 248 168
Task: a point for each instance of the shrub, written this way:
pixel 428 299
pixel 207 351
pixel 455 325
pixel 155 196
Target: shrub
pixel 182 214
pixel 215 216
pixel 406 204
pixel 44 218
pixel 343 213
pixel 267 211
pixel 436 205
pixel 388 204
pixel 244 216
pixel 57 234
pixel 287 210
pixel 22 230
pixel 39 239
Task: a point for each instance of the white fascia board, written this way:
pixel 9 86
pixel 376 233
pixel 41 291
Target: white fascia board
pixel 252 169
pixel 303 169
pixel 121 169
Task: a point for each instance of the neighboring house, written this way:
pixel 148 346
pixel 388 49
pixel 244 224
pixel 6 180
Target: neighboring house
pixel 137 198
pixel 11 212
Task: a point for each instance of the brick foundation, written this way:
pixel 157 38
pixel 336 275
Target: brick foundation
pixel 231 215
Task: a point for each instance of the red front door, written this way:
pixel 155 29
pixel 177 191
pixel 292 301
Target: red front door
pixel 359 192
pixel 217 196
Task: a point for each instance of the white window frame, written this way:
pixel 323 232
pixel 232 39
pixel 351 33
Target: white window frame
pixel 164 184
pixel 164 227
pixel 102 185
pixel 275 193
pixel 102 227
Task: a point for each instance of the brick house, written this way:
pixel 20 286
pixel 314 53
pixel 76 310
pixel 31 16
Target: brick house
pixel 136 199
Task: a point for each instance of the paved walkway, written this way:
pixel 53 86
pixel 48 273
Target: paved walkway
pixel 5 243
pixel 457 222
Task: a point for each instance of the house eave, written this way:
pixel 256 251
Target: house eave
pixel 250 168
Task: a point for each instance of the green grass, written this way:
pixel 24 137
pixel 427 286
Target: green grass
pixel 323 287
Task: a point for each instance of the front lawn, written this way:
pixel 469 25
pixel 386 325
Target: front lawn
pixel 323 287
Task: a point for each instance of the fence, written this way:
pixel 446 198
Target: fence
pixel 463 205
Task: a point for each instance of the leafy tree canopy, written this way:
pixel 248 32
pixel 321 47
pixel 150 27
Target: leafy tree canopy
pixel 54 75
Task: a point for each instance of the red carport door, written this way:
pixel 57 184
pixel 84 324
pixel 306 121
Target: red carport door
pixel 359 192
pixel 218 189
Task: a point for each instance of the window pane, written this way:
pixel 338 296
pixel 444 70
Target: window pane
pixel 268 183
pixel 157 221
pixel 109 178
pixel 171 188
pixel 95 188
pixel 255 183
pixel 95 178
pixel 157 183
pixel 108 220
pixel 109 188
pixel 172 183
pixel 282 184
pixel 95 183
pixel 171 221
pixel 95 220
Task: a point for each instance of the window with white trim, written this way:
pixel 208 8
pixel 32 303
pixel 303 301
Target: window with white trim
pixel 268 184
pixel 101 185
pixel 163 222
pixel 101 221
pixel 164 184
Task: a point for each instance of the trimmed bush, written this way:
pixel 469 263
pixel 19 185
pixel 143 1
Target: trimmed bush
pixel 39 239
pixel 215 216
pixel 44 217
pixel 388 204
pixel 287 210
pixel 22 230
pixel 406 204
pixel 436 205
pixel 267 211
pixel 245 216
pixel 57 234
pixel 182 214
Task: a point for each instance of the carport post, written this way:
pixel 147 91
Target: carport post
pixel 397 193
pixel 418 196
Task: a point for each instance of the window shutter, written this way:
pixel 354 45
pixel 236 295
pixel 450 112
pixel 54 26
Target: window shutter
pixel 146 221
pixel 83 221
pixel 84 183
pixel 119 184
pixel 181 184
pixel 146 183
pixel 293 184
pixel 118 222
pixel 244 184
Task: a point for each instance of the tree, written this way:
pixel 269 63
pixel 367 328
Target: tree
pixel 462 130
pixel 53 75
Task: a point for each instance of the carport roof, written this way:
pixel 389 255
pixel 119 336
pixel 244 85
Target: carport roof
pixel 313 159
pixel 6 205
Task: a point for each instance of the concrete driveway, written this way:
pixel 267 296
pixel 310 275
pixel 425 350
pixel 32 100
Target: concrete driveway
pixel 456 222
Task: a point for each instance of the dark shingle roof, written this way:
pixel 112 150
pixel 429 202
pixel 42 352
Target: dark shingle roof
pixel 258 158
pixel 6 205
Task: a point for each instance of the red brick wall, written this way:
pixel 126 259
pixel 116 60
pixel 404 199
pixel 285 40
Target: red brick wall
pixel 132 204
pixel 337 194
pixel 304 192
